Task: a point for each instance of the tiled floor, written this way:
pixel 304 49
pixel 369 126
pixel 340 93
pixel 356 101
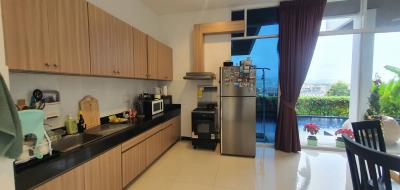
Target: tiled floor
pixel 185 168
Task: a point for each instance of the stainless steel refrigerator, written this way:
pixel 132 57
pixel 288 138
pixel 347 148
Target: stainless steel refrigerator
pixel 238 110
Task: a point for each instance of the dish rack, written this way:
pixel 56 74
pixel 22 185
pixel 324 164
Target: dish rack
pixel 30 150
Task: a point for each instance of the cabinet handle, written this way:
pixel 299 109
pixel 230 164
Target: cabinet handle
pixel 55 65
pixel 117 72
pixel 47 64
pixel 114 71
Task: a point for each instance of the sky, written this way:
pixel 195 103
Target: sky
pixel 265 55
pixel 386 52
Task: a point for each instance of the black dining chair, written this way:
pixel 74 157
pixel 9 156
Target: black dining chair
pixel 369 133
pixel 370 174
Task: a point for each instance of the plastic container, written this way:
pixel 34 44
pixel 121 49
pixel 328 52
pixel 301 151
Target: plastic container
pixel 71 126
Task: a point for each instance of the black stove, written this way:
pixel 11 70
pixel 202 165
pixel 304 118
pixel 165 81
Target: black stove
pixel 205 131
pixel 204 110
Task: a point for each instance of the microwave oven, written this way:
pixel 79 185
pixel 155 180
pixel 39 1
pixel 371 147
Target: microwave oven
pixel 153 107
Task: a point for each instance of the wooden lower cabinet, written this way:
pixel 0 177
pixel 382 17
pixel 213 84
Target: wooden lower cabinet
pixel 165 136
pixel 116 168
pixel 134 162
pixel 74 179
pixel 170 134
pixel 153 148
pixel 104 172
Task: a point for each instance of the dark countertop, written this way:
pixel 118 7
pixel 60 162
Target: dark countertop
pixel 46 169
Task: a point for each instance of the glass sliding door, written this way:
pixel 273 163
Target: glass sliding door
pixel 384 98
pixel 325 96
pixel 264 54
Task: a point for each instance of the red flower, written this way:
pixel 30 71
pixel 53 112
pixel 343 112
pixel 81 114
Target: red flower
pixel 312 128
pixel 347 132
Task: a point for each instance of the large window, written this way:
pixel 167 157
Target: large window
pixel 355 70
pixel 342 15
pixel 385 90
pixel 383 14
pixel 325 96
pixel 263 52
pixel 356 65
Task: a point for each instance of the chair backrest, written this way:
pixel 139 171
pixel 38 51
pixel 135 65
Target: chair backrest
pixel 369 133
pixel 374 163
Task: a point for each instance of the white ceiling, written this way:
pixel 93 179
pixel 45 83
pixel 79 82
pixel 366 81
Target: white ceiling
pixel 179 6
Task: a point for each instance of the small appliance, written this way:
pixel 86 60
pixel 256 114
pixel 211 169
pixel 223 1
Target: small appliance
pixel 153 107
pixel 167 99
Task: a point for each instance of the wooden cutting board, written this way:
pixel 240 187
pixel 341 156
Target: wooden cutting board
pixel 90 111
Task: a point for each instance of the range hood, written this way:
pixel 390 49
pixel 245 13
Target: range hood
pixel 199 76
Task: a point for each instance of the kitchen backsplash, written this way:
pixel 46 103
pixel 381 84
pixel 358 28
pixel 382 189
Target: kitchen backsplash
pixel 114 95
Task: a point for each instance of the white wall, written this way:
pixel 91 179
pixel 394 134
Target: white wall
pixel 177 32
pixel 6 165
pixel 114 95
pixel 133 12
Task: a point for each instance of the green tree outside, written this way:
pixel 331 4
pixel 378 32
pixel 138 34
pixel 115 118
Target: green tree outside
pixel 340 88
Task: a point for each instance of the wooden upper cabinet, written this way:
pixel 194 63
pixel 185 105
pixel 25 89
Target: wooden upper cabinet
pixel 123 39
pixel 111 44
pixel 152 60
pixel 69 36
pixel 102 50
pixel 169 62
pixel 26 34
pixel 104 172
pixel 164 62
pixel 73 179
pixel 140 54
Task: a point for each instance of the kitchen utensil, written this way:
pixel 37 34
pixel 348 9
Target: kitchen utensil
pixel 164 90
pixel 37 101
pixel 90 111
pixel 157 90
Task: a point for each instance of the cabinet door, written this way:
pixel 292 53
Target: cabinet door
pixel 102 51
pixel 26 34
pixel 169 63
pixel 152 60
pixel 165 138
pixel 177 126
pixel 123 39
pixel 133 163
pixel 153 146
pixel 74 179
pixel 140 54
pixel 164 62
pixel 69 36
pixel 104 172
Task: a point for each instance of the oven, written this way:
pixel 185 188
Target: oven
pixel 204 128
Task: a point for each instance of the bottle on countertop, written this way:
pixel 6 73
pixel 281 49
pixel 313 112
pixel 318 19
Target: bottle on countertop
pixel 81 123
pixel 71 126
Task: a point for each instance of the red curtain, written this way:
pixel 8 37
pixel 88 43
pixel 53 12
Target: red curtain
pixel 300 22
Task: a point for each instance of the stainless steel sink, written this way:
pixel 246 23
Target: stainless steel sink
pixel 107 129
pixel 70 142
